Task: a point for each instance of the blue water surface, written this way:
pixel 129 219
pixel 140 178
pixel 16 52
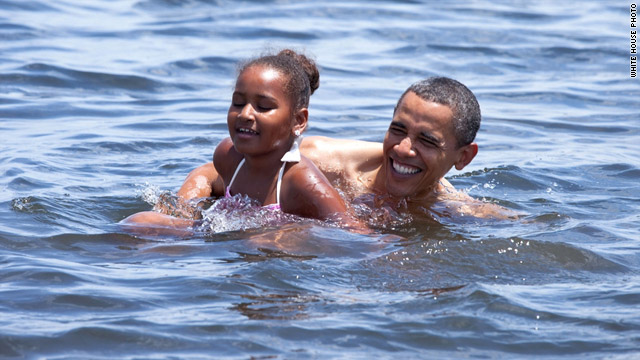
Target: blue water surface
pixel 104 105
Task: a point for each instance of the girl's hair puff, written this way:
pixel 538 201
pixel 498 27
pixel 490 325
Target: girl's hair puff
pixel 302 77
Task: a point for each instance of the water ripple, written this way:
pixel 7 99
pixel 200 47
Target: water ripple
pixel 39 74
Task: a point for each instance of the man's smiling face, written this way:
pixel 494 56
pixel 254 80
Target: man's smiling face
pixel 420 147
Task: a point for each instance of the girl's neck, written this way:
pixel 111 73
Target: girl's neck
pixel 267 161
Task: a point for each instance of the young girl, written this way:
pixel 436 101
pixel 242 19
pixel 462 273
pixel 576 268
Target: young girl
pixel 267 116
pixel 261 158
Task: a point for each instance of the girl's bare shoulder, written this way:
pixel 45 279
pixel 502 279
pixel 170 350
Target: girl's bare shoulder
pixel 307 192
pixel 303 174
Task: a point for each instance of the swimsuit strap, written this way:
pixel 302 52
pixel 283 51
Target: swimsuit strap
pixel 228 192
pixel 279 183
pixel 234 177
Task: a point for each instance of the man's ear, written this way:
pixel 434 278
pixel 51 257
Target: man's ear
pixel 301 119
pixel 465 155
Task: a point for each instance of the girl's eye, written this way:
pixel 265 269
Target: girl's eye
pixel 238 102
pixel 396 130
pixel 265 106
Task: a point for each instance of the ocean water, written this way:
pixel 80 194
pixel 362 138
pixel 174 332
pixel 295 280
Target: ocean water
pixel 104 105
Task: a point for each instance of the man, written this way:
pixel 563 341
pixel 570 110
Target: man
pixel 433 128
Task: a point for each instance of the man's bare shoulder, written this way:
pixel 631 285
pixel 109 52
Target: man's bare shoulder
pixel 355 155
pixel 341 145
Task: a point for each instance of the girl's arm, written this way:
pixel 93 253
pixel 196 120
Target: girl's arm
pixel 203 181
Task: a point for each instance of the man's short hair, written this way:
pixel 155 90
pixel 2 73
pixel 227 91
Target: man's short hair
pixel 452 93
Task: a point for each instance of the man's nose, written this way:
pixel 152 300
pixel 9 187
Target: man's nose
pixel 405 147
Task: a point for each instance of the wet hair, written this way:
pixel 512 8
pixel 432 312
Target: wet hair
pixel 452 93
pixel 302 77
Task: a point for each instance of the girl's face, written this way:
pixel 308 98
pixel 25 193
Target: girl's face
pixel 260 118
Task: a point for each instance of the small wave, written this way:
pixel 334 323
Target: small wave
pixel 620 170
pixel 601 305
pixel 149 193
pixel 24 182
pixel 528 14
pixel 274 306
pixel 27 5
pixel 28 204
pixel 236 213
pixel 240 212
pixel 54 110
pixel 517 178
pixel 210 65
pixel 15 32
pixel 169 4
pixel 451 263
pixel 569 123
pixel 136 147
pixel 42 74
pixel 60 214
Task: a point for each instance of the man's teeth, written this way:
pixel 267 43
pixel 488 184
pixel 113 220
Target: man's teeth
pixel 405 170
pixel 246 131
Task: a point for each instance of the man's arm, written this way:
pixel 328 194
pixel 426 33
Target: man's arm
pixel 466 205
pixel 341 159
